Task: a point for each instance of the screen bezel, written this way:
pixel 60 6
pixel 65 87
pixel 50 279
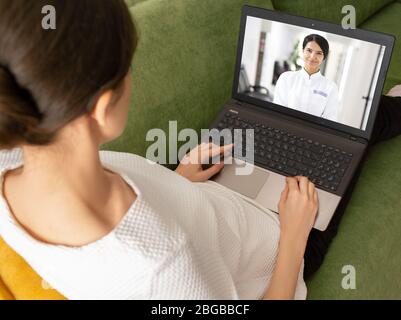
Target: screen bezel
pixel 369 36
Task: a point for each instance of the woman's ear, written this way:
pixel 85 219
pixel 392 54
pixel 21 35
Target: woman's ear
pixel 99 111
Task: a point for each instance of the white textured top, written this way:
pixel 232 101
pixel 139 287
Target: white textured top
pixel 314 94
pixel 178 240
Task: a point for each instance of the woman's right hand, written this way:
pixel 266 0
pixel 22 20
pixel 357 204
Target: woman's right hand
pixel 297 210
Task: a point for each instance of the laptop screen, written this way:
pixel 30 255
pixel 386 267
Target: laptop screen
pixel 318 73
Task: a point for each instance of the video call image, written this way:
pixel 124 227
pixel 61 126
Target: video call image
pixel 322 74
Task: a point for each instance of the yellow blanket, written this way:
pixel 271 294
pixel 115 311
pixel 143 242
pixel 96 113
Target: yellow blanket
pixel 19 281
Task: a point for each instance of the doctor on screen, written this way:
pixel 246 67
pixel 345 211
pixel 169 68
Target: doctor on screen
pixel 308 90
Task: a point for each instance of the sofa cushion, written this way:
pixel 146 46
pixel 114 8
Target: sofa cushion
pixel 183 67
pixel 388 21
pixel 18 280
pixel 5 293
pixel 330 10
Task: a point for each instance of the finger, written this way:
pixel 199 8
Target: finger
pixel 283 197
pixel 292 184
pixel 209 150
pixel 227 152
pixel 216 152
pixel 311 189
pixel 284 193
pixel 227 148
pixel 316 202
pixel 303 185
pixel 316 198
pixel 207 145
pixel 204 152
pixel 211 145
pixel 194 156
pixel 210 172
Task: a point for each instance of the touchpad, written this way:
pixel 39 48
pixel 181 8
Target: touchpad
pixel 248 185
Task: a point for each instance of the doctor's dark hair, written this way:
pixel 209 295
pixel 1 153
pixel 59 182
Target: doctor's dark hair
pixel 50 77
pixel 322 42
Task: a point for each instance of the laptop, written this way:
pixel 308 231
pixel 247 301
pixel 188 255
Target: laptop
pixel 307 107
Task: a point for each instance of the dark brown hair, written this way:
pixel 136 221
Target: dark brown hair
pixel 50 77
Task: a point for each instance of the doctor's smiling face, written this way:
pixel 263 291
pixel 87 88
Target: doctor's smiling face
pixel 315 50
pixel 313 57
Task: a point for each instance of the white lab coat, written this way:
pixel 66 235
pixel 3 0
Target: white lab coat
pixel 313 94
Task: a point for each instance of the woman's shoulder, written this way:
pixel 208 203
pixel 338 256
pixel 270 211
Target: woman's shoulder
pixel 128 161
pixel 147 174
pixel 116 156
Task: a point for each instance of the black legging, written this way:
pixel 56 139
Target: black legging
pixel 387 125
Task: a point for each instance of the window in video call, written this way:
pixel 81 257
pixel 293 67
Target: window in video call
pixel 322 74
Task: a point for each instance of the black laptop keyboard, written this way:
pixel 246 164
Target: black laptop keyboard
pixel 289 154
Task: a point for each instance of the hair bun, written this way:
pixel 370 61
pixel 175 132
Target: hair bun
pixel 19 115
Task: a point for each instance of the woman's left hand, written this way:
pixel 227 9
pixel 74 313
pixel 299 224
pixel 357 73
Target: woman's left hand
pixel 190 166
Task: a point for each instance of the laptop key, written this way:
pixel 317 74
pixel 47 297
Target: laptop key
pixel 292 155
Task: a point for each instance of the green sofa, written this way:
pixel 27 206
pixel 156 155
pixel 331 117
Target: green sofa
pixel 183 71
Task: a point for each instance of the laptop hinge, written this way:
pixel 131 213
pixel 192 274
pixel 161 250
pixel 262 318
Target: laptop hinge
pixel 353 138
pixel 358 139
